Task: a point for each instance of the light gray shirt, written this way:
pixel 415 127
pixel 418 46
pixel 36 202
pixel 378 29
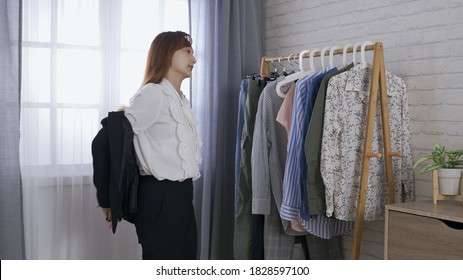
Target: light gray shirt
pixel 268 160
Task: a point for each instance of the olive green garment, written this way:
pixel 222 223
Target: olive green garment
pixel 243 235
pixel 312 147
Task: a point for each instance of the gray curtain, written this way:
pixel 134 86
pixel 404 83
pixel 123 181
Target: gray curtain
pixel 228 44
pixel 11 218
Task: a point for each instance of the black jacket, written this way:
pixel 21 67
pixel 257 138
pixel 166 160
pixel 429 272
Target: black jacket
pixel 115 169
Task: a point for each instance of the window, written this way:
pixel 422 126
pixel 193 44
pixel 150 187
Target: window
pixel 81 59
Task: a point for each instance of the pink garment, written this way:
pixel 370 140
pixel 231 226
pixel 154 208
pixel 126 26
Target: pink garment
pixel 284 114
pixel 297 226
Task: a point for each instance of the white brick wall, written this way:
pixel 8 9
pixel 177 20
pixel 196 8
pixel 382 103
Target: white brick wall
pixel 423 43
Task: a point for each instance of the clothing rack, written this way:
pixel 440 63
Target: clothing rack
pixel 378 81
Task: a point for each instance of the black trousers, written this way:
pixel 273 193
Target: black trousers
pixel 165 220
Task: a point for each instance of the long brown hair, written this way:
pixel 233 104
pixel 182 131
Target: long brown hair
pixel 161 52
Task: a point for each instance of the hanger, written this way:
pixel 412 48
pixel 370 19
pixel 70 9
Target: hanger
pixel 356 45
pixel 344 53
pixel 274 74
pixel 289 78
pixel 312 53
pixel 283 67
pixel 332 55
pixel 290 64
pixel 362 55
pixel 322 55
pixel 293 77
pixel 295 59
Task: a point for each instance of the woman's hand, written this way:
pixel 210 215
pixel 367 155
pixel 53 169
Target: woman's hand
pixel 107 212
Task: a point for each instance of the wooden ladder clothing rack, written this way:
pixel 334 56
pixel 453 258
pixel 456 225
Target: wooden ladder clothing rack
pixel 378 82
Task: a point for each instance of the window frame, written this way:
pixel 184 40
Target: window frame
pixel 111 50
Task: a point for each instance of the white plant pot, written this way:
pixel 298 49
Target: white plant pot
pixel 449 181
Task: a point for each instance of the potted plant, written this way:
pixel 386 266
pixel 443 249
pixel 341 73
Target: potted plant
pixel 449 166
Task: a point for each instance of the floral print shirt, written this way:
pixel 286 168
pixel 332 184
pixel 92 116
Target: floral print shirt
pixel 344 130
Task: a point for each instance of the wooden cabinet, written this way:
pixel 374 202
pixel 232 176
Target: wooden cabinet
pixel 423 230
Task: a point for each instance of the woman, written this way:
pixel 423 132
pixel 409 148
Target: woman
pixel 167 147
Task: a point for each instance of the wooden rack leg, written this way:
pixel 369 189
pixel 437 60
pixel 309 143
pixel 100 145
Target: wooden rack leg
pixel 435 186
pixel 264 67
pixel 386 128
pixel 378 76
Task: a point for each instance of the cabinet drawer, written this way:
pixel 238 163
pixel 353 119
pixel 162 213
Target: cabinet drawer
pixel 418 237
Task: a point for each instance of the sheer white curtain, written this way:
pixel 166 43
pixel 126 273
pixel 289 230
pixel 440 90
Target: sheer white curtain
pixel 81 59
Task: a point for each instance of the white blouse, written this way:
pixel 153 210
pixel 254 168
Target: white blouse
pixel 166 140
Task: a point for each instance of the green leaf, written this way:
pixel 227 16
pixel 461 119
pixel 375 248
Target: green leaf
pixel 455 163
pixel 441 158
pixel 437 147
pixel 423 159
pixel 430 167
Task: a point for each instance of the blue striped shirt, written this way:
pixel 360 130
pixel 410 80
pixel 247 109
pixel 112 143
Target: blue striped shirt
pixel 292 198
pixel 326 227
pixel 295 197
pixel 295 193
